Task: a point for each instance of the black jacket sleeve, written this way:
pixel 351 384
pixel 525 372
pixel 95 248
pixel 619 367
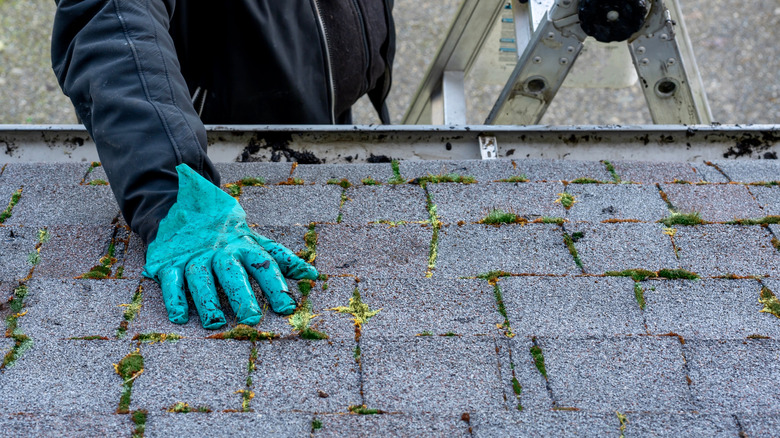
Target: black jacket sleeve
pixel 118 64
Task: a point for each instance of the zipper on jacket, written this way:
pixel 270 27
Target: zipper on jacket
pixel 366 52
pixel 329 68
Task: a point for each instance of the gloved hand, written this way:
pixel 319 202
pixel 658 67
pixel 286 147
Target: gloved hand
pixel 206 231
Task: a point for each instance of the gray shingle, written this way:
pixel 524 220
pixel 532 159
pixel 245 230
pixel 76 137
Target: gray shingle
pixel 61 309
pixel 472 202
pixel 303 375
pixel 623 374
pixel 373 251
pixel 707 309
pixel 290 205
pixel 735 376
pixel 717 203
pixel 768 198
pixel 74 250
pixel 727 249
pixel 49 205
pixel 354 173
pixel 561 170
pixel 482 170
pixel 472 249
pixel 66 377
pixel 273 173
pixel 16 244
pixel 392 425
pixel 515 362
pixel 681 425
pixel 709 173
pixel 71 425
pixel 394 203
pixel 599 202
pixel 750 170
pixel 6 344
pixel 655 172
pixel 442 374
pixel 44 174
pixel 238 424
pixel 615 247
pixel 572 307
pixel 413 306
pixel 548 424
pixel 198 372
pixel 760 424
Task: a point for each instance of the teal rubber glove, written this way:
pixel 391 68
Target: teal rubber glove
pixel 205 233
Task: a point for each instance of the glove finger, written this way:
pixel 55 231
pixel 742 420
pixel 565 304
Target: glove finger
pixel 290 264
pixel 265 270
pixel 204 293
pixel 172 284
pixel 235 282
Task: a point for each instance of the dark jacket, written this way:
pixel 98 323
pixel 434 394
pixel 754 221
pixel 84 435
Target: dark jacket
pixel 145 75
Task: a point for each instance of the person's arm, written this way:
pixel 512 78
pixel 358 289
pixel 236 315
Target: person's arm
pixel 117 63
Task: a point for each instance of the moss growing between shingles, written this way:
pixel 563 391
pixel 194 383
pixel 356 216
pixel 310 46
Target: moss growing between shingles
pixel 301 322
pixel 98 182
pixel 234 190
pixel 766 220
pixel 131 310
pixel 776 243
pixel 566 200
pixel 360 311
pixel 683 219
pixel 309 253
pixel 502 310
pixel 538 356
pixel 316 424
pixel 757 336
pixel 243 332
pixel 246 399
pixel 635 274
pixel 344 183
pixel 425 333
pixel 22 343
pixel 518 389
pixel 639 294
pixel 370 182
pixel 623 423
pixel 496 217
pixel 15 197
pixel 433 218
pixel 103 269
pixel 770 302
pixel 129 368
pixel 251 182
pixel 678 274
pixel 397 178
pixel 445 178
pixel 304 286
pixel 185 408
pixel 157 337
pixel 515 179
pixel 363 410
pixel 569 241
pixel 611 170
pixel 292 182
pixel 139 420
pixel 493 276
pixel 588 181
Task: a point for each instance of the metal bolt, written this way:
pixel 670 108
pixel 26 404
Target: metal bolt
pixel 570 49
pixel 664 36
pixel 551 36
pixel 640 50
pixel 537 59
pixel 644 61
pixel 564 61
pixel 671 61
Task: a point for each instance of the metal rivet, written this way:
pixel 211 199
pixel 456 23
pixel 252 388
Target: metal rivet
pixel 644 61
pixel 564 61
pixel 664 36
pixel 537 59
pixel 671 61
pixel 551 36
pixel 570 49
pixel 640 50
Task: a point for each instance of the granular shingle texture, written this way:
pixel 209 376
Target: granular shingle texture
pixel 482 171
pixel 198 372
pixel 727 249
pixel 518 372
pixel 442 374
pixel 272 173
pixel 393 425
pixel 291 205
pixel 735 376
pixel 525 249
pixel 354 173
pixel 61 309
pixel 71 425
pixel 681 425
pixel 65 205
pixel 603 202
pixel 16 243
pixel 768 198
pixel 571 307
pixel 472 202
pixel 623 374
pixel 305 375
pixel 750 170
pixel 66 377
pixel 721 203
pixel 707 309
pixel 615 247
pixel 413 306
pixel 561 170
pixel 760 424
pixel 374 251
pixel 551 423
pixel 237 424
pixel 366 204
pixel 709 173
pixel 73 250
pixel 652 173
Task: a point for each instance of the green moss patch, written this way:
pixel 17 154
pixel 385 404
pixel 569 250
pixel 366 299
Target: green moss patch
pixel 678 274
pixel 370 182
pixel 139 420
pixel 538 356
pixel 292 182
pixel 15 197
pixel 683 219
pixel 359 310
pixel 569 241
pixel 445 178
pixel 397 178
pixel 309 253
pixel 635 274
pixel 243 332
pixel 344 183
pixel 639 294
pixel 301 322
pixel 587 181
pixel 766 220
pixel 129 368
pixel 515 179
pixel 770 302
pixel 157 337
pixel 611 170
pixel 496 217
pixel 566 200
pixel 363 410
